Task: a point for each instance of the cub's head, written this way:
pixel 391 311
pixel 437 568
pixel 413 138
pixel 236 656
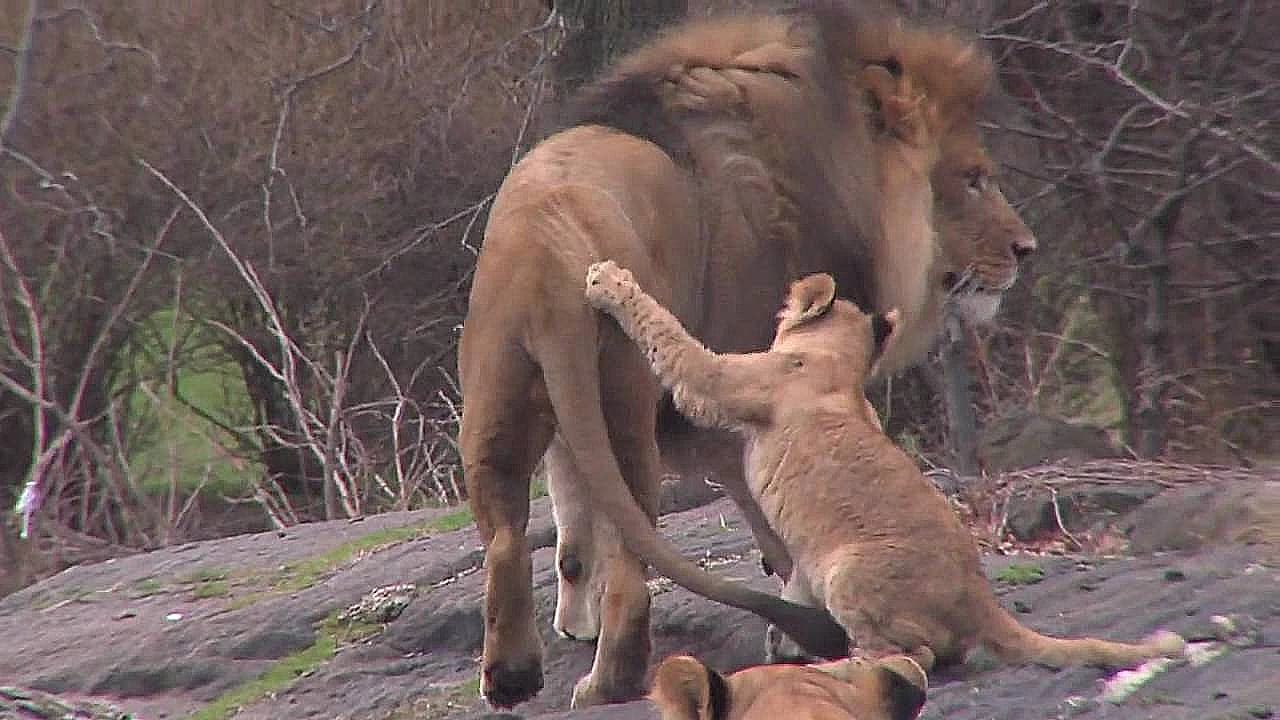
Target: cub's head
pixel 814 322
pixel 893 688
pixel 982 239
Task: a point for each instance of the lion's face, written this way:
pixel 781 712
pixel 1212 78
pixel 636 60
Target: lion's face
pixel 981 236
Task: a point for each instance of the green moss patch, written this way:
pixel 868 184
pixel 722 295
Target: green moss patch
pixel 211 589
pixel 305 573
pixel 277 678
pixel 300 575
pixel 346 632
pixel 1021 574
pixel 146 588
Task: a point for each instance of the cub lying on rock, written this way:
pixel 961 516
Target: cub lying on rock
pixel 893 688
pixel 873 541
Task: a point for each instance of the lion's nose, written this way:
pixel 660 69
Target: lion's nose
pixel 1023 246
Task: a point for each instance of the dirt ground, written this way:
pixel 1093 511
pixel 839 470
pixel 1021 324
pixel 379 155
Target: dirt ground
pixel 164 634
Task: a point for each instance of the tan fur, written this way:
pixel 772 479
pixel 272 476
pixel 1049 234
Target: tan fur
pixel 853 689
pixel 874 541
pixel 718 163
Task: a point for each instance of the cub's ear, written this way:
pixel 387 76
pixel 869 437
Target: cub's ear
pixel 904 686
pixel 685 689
pixel 810 297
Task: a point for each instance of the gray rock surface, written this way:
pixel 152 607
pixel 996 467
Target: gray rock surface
pixel 169 652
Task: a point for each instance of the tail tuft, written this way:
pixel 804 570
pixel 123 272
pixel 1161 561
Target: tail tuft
pixel 1165 643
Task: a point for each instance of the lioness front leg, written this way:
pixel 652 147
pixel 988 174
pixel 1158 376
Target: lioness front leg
pixel 726 391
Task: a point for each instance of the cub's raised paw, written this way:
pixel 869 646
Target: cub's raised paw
pixel 605 281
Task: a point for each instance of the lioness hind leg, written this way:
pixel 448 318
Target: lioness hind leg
pixel 630 396
pixel 502 436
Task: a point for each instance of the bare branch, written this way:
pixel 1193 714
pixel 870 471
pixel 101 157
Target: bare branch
pixel 20 70
pixel 1119 74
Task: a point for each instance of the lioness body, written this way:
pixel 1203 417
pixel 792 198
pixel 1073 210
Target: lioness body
pixel 873 541
pixel 751 154
pixel 854 689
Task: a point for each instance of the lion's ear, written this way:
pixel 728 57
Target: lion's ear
pixel 904 686
pixel 894 105
pixel 685 689
pixel 811 297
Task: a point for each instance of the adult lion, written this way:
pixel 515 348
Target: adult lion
pixel 719 163
pixel 874 541
pixel 893 688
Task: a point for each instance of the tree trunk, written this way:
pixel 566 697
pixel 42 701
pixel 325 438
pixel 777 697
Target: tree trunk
pixel 1154 380
pixel 962 422
pixel 1155 377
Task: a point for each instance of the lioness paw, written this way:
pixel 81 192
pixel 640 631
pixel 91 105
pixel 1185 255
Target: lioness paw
pixel 605 281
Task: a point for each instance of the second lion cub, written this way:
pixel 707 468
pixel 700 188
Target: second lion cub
pixel 873 541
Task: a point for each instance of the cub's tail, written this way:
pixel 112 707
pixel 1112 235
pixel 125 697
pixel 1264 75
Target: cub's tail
pixel 1013 642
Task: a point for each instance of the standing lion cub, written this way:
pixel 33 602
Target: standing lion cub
pixel 873 541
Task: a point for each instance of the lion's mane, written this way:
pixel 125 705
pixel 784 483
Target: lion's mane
pixel 764 110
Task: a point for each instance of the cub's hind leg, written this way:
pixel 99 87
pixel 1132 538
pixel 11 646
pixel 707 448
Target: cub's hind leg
pixel 878 617
pixel 778 647
pixel 505 429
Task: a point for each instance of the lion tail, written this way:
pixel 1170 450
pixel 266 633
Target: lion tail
pixel 1013 642
pixel 572 377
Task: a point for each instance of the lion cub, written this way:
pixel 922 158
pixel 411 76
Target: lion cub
pixel 873 541
pixel 892 688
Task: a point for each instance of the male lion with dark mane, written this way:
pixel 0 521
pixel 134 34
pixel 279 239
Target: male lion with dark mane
pixel 719 163
pixel 874 542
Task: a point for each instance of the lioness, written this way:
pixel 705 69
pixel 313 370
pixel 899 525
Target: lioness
pixel 719 163
pixel 893 688
pixel 874 542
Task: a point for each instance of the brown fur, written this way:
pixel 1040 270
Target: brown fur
pixel 854 689
pixel 769 146
pixel 873 540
